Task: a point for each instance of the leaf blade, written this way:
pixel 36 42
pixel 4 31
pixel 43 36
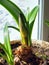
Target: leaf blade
pixel 31 27
pixel 3 56
pixel 3 47
pixel 33 14
pixel 7 40
pixel 7 45
pixel 14 28
pixel 12 8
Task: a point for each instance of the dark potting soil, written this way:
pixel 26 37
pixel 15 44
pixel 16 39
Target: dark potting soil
pixel 32 59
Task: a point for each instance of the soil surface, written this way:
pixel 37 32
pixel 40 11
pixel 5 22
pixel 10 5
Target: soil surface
pixel 35 55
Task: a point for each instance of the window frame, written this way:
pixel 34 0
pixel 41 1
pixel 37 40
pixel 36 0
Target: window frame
pixel 40 19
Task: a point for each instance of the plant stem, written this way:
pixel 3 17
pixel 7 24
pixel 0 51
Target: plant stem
pixel 11 64
pixel 24 40
pixel 29 42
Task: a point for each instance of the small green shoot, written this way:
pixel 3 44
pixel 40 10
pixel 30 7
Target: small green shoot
pixel 6 47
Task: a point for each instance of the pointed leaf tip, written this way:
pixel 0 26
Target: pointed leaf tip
pixel 33 14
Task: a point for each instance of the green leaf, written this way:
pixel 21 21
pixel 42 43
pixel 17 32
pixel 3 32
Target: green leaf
pixel 22 25
pixel 32 18
pixel 8 46
pixel 27 15
pixel 6 52
pixel 33 14
pixel 4 57
pixel 23 29
pixel 12 8
pixel 3 47
pixel 14 28
pixel 31 27
pixel 7 40
pixel 47 23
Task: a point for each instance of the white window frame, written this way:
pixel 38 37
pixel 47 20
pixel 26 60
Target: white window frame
pixel 40 19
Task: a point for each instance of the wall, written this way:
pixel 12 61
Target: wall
pixel 46 17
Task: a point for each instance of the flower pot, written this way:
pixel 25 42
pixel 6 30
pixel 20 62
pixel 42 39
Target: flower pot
pixel 38 54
